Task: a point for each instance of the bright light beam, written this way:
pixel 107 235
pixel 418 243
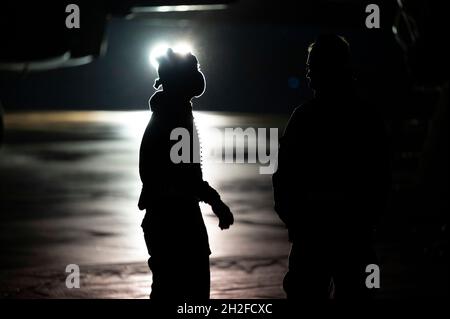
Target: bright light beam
pixel 183 48
pixel 161 49
pixel 157 51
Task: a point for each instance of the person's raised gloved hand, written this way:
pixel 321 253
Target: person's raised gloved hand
pixel 224 214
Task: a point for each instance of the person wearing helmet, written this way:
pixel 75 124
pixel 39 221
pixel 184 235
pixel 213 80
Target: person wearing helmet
pixel 174 230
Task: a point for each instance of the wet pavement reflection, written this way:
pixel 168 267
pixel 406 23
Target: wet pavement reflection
pixel 69 188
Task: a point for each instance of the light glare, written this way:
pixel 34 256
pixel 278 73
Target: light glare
pixel 161 49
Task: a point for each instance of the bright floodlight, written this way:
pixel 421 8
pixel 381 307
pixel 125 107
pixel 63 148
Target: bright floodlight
pixel 183 48
pixel 156 52
pixel 161 49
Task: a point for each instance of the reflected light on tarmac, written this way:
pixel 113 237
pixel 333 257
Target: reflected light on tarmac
pixel 133 124
pixel 89 160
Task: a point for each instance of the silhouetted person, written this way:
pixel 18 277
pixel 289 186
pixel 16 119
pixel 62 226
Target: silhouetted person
pixel 174 230
pixel 331 180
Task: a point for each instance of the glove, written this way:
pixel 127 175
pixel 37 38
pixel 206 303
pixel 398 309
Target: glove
pixel 224 214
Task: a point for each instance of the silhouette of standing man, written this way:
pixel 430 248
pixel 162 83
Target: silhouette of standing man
pixel 174 231
pixel 331 181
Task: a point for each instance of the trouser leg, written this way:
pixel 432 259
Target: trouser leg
pixel 178 274
pixel 349 269
pixel 308 276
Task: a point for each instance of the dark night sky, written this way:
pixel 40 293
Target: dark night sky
pixel 249 65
